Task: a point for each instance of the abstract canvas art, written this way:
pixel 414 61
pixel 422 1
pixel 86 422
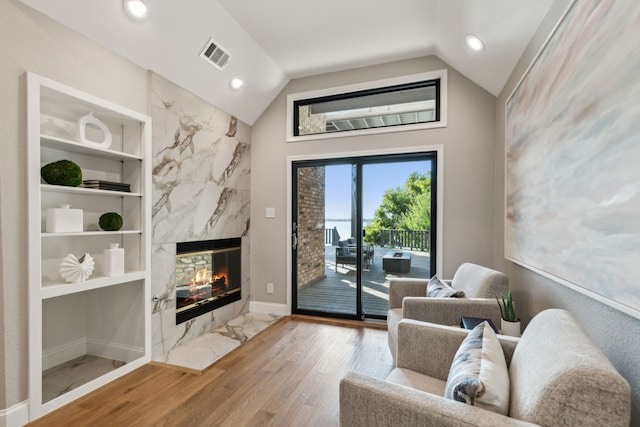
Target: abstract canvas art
pixel 573 155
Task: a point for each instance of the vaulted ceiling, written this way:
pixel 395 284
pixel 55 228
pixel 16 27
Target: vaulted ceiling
pixel 273 41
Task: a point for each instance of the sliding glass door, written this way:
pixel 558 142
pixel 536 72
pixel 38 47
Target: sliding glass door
pixel 356 223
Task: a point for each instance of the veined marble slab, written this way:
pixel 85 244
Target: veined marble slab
pixel 201 168
pixel 204 211
pixel 204 350
pixel 201 191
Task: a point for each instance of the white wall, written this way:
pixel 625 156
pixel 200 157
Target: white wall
pixel 30 41
pixel 3 395
pixel 468 143
pixel 617 334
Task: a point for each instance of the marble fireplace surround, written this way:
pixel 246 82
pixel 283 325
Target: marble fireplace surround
pixel 201 167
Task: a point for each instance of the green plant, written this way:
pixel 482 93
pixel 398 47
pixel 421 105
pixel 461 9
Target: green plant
pixel 62 172
pixel 110 221
pixel 507 308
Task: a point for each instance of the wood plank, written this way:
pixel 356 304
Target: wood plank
pixel 286 375
pixel 337 291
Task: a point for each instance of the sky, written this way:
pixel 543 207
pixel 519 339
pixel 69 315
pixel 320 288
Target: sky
pixel 377 179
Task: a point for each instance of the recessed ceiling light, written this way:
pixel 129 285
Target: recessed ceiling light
pixel 474 43
pixel 236 83
pixel 136 9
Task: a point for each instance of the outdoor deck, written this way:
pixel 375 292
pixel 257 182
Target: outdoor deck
pixel 336 293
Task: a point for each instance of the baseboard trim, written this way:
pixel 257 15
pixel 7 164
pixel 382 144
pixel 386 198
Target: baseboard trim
pixel 114 351
pixel 269 308
pixel 63 353
pixel 15 416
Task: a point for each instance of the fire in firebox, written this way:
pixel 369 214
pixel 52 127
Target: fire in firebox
pixel 208 275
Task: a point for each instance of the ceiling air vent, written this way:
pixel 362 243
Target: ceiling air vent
pixel 215 54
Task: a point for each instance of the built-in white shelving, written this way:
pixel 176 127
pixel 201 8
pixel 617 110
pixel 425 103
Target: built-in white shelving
pixel 77 147
pixel 91 233
pixel 59 289
pixel 101 317
pixel 88 191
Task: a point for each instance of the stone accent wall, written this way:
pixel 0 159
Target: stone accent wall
pixel 310 124
pixel 311 189
pixel 188 265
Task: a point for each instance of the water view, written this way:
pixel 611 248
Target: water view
pixel 343 226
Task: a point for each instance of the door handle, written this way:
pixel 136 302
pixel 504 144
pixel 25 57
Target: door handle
pixel 294 241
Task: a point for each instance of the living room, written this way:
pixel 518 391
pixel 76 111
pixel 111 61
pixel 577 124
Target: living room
pixel 474 157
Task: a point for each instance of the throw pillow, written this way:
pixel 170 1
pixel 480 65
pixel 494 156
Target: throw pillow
pixel 436 288
pixel 479 375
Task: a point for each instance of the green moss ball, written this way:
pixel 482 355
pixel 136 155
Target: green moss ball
pixel 62 172
pixel 110 221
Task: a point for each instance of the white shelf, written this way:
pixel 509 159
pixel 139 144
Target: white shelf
pixel 109 317
pixel 59 289
pixel 78 147
pixel 91 233
pixel 88 191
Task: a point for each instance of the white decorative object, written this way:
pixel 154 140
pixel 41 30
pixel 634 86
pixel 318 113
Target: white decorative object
pixel 76 270
pixel 63 220
pixel 113 261
pixel 89 119
pixel 510 328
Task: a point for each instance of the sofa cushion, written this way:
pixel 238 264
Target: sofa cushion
pixel 436 288
pixel 478 374
pixel 413 379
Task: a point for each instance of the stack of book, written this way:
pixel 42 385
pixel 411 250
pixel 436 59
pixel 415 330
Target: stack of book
pixel 106 185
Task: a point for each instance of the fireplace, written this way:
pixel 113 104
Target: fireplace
pixel 208 276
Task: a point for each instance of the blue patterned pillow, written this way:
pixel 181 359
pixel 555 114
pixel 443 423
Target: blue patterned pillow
pixel 478 374
pixel 436 288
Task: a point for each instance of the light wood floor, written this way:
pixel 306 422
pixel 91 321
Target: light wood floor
pixel 288 375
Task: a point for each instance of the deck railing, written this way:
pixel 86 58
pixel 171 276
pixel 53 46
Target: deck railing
pixel 402 239
pixel 331 236
pixel 408 239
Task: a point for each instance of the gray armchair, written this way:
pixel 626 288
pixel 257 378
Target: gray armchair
pixel 558 377
pixel 408 300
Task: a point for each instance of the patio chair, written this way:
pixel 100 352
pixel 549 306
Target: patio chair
pixel 346 252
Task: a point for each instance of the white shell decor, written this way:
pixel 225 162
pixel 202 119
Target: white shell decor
pixel 75 270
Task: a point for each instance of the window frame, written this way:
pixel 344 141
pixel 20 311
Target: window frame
pixel 345 91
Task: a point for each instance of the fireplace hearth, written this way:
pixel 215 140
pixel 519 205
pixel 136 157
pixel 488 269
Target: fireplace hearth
pixel 208 276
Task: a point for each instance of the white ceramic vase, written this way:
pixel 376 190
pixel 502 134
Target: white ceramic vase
pixel 510 328
pixel 113 261
pixel 89 119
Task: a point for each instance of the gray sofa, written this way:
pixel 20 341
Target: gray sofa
pixel 408 299
pixel 558 377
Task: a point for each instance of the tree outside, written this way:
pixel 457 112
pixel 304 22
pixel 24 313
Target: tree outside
pixel 403 208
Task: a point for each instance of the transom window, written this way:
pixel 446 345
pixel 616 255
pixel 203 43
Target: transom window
pixel 380 107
